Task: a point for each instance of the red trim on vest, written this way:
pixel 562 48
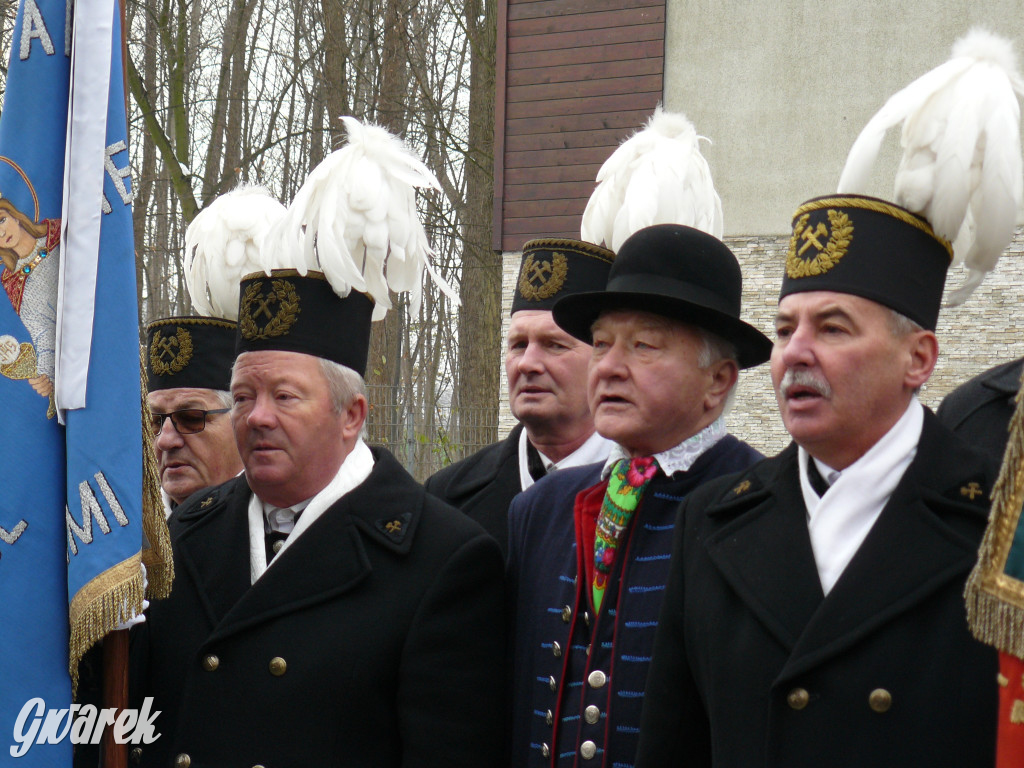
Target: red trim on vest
pixel 587 509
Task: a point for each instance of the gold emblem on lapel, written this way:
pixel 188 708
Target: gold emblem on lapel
pixel 206 502
pixel 815 249
pixel 742 488
pixel 540 278
pixel 169 355
pixel 971 490
pixel 395 526
pixel 270 313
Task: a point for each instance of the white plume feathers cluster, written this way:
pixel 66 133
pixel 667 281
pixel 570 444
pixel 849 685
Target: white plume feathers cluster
pixel 223 243
pixel 657 176
pixel 355 220
pixel 961 167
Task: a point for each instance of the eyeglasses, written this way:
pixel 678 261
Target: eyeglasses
pixel 187 421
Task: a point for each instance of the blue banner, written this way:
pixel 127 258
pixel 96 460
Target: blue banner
pixel 71 521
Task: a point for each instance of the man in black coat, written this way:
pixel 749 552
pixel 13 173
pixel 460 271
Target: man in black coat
pixel 814 610
pixel 547 371
pixel 979 410
pixel 326 610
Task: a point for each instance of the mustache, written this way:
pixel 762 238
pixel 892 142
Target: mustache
pixel 802 378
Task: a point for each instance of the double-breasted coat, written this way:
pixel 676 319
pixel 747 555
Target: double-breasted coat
pixel 753 666
pixel 483 485
pixel 377 639
pixel 578 677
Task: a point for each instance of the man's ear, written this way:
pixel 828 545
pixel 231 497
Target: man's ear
pixel 923 352
pixel 724 374
pixel 353 417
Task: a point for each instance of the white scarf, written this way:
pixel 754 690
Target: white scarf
pixel 839 521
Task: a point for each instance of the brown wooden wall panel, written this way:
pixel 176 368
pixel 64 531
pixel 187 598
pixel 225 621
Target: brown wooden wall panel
pixel 560 123
pixel 575 78
pixel 589 23
pixel 539 177
pixel 582 106
pixel 568 73
pixel 541 8
pixel 589 54
pixel 554 42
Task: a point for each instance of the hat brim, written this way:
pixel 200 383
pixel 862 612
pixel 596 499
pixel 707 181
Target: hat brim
pixel 576 315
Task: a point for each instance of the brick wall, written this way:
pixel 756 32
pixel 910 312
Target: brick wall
pixel 982 332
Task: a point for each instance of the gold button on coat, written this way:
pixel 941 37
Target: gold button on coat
pixel 798 698
pixel 592 714
pixel 549 718
pixel 210 662
pixel 278 666
pixel 880 700
pixel 566 614
pixel 545 750
pixel 586 617
pixel 588 749
pixel 135 755
pixel 597 678
pixel 552 684
pixel 556 649
pixel 182 761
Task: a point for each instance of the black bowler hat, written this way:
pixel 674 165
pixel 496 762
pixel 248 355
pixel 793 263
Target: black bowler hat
pixel 290 312
pixel 679 272
pixel 869 248
pixel 555 267
pixel 194 352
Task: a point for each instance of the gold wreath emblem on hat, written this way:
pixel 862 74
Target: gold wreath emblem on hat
pixel 169 355
pixel 265 315
pixel 827 253
pixel 542 279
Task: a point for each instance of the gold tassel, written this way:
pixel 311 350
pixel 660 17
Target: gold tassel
pixel 156 552
pixel 995 601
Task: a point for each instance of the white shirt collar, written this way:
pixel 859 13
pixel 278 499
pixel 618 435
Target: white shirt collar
pixel 595 449
pixel 353 471
pixel 680 457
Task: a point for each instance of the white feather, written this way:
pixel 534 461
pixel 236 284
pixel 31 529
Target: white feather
pixel 223 243
pixel 657 176
pixel 355 219
pixel 961 167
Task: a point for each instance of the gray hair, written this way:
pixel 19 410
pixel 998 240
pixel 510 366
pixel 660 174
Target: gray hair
pixel 343 382
pixel 900 325
pixel 226 401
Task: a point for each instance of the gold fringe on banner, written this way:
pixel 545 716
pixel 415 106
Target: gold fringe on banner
pixel 110 599
pixel 115 596
pixel 156 546
pixel 995 600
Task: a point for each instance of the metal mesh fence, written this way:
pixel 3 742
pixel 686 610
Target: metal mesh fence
pixel 425 437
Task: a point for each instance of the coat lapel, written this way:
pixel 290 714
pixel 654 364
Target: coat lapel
pixel 761 546
pixel 482 473
pixel 214 551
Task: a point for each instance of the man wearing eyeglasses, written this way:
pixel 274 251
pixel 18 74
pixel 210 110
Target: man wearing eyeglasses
pixel 188 360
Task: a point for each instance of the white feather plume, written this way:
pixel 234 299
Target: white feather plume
pixel 355 220
pixel 657 176
pixel 961 167
pixel 223 243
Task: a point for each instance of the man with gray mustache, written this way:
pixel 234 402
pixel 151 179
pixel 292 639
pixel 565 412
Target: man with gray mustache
pixel 814 612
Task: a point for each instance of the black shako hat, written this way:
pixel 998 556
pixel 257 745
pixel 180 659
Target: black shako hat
pixel 680 273
pixel 193 352
pixel 555 267
pixel 869 248
pixel 289 312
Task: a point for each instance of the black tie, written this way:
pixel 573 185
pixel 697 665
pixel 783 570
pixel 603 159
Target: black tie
pixel 274 540
pixel 818 483
pixel 534 463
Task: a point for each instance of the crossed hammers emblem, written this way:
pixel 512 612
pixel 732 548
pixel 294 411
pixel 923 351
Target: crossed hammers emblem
pixel 811 238
pixel 539 271
pixel 165 345
pixel 263 306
